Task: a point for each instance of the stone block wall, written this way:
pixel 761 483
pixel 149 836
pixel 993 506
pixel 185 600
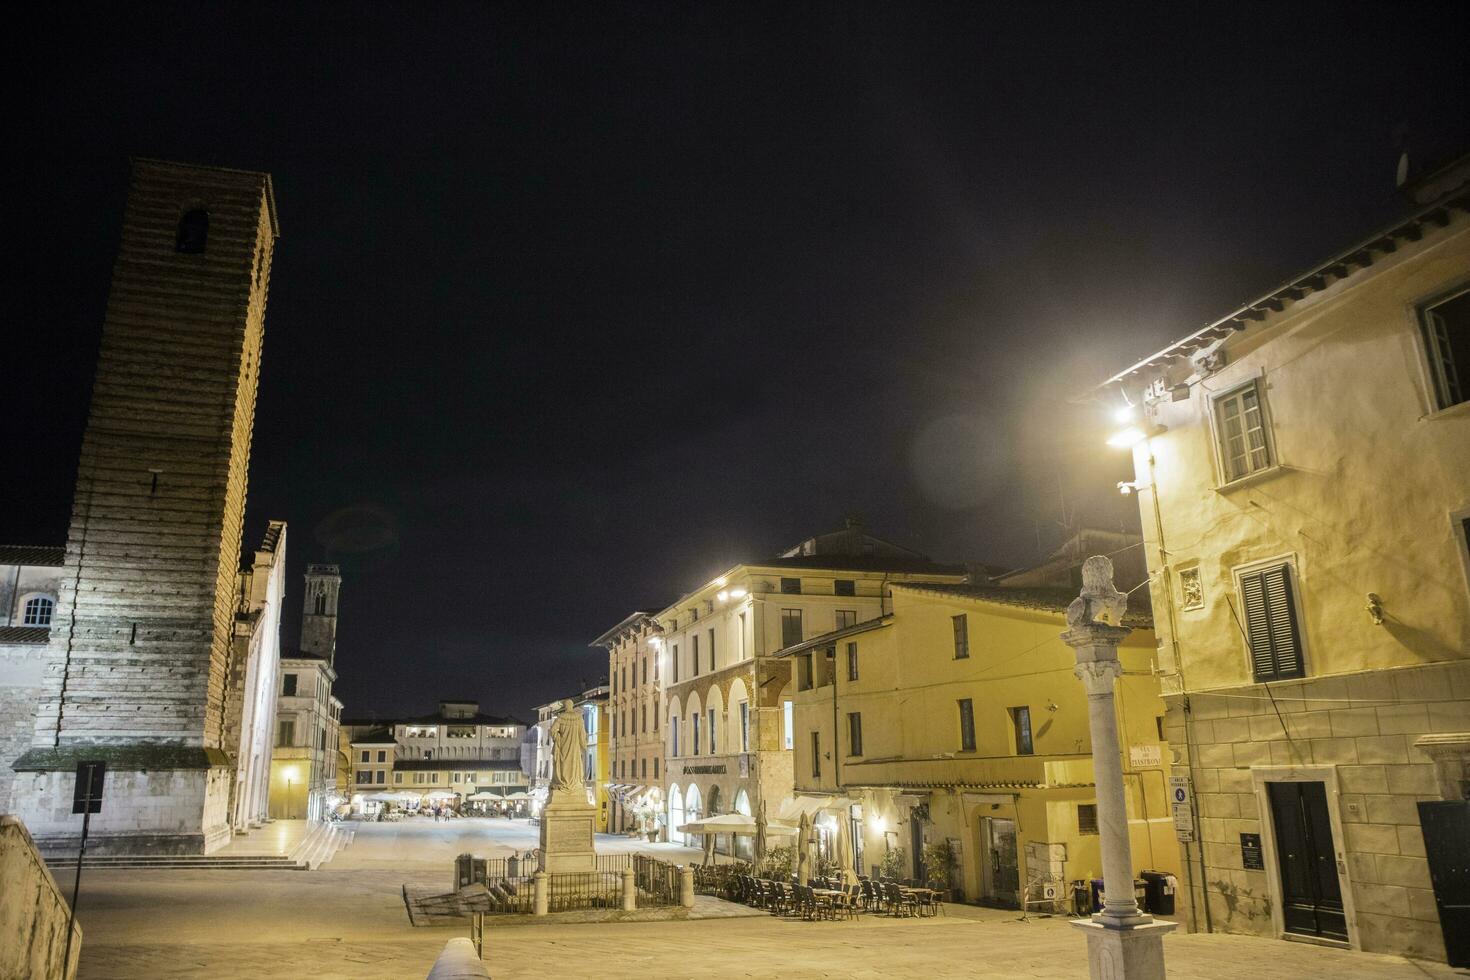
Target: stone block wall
pixel 1363 726
pixel 34 913
pixel 22 666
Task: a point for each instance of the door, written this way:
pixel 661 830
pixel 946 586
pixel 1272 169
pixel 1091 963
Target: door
pixel 1446 826
pixel 1311 893
pixel 1001 875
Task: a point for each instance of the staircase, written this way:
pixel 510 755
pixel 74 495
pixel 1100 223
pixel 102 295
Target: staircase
pixel 321 842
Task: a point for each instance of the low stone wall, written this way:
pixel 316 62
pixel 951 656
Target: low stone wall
pixel 34 913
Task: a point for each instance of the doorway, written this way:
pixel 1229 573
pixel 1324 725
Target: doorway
pixel 1446 825
pixel 1311 892
pixel 1000 874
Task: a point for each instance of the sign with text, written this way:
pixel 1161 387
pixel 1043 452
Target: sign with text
pixel 1251 857
pixel 1145 756
pixel 87 796
pixel 1181 800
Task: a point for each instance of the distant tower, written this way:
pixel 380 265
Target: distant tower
pixel 139 660
pixel 319 612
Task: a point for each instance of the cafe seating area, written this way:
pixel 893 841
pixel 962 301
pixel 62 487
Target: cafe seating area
pixel 829 899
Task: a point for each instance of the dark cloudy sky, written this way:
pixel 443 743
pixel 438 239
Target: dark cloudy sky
pixel 576 305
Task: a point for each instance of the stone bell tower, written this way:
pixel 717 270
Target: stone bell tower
pixel 319 612
pixel 139 658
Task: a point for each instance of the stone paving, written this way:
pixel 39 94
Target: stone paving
pixel 349 922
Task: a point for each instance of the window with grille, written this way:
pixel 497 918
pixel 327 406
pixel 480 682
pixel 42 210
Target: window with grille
pixel 1271 628
pixel 791 586
pixel 38 611
pixel 961 636
pixel 790 627
pixel 1086 818
pixel 844 586
pixel 967 725
pixel 1240 429
pixel 1447 342
pixel 852 662
pixel 855 733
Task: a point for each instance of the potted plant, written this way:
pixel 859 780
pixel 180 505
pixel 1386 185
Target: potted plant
pixel 894 863
pixel 938 860
pixel 777 864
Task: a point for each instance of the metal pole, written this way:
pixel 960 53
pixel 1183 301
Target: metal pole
pixel 76 888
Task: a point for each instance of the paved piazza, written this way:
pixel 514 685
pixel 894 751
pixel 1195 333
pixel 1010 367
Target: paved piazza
pixel 347 921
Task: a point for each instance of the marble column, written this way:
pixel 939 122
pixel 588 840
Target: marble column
pixel 1123 943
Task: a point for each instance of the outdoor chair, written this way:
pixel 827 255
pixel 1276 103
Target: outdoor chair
pixel 900 903
pixel 854 900
pixel 870 896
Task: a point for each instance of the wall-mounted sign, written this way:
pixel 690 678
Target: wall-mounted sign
pixel 715 770
pixel 1145 756
pixel 1251 857
pixel 1181 801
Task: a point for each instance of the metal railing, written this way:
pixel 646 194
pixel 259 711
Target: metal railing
pixel 572 891
pixel 613 862
pixel 511 895
pixel 657 881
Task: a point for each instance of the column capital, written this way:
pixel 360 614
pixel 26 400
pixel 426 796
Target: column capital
pixel 1098 675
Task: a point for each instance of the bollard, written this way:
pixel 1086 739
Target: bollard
pixel 630 890
pixel 686 885
pixel 543 892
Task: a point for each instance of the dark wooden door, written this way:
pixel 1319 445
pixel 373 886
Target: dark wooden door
pixel 1446 826
pixel 1311 894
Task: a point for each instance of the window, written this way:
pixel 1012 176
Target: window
pixel 694 655
pixel 644 767
pixel 383 756
pixel 364 755
pixel 288 685
pixel 643 717
pixel 364 778
pixel 711 649
pixel 674 735
pixel 655 767
pixel 816 754
pixel 320 605
pixel 1240 432
pixel 844 586
pixel 854 733
pixel 790 627
pixel 961 636
pixel 1087 818
pixel 675 659
pixel 382 775
pixel 789 738
pixel 695 719
pixel 967 725
pixel 286 732
pixel 744 726
pixel 846 618
pixel 712 749
pixel 193 232
pixel 645 670
pixel 1270 624
pixel 741 646
pixel 791 586
pixel 398 778
pixel 805 681
pixel 1021 723
pixel 1447 341
pixel 852 662
pixel 38 611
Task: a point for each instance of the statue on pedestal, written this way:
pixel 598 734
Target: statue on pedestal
pixel 568 750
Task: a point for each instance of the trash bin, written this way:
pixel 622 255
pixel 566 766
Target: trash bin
pixel 1097 894
pixel 1081 898
pixel 1159 888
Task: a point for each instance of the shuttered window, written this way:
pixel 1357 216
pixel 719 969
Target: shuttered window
pixel 1447 339
pixel 1270 623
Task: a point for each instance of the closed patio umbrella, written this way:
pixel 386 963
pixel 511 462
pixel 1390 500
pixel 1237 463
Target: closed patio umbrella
pixel 804 849
pixel 844 852
pixel 760 834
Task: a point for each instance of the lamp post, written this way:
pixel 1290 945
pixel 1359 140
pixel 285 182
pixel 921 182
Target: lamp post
pixel 1123 943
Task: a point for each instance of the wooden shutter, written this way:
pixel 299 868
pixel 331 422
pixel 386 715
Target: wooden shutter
pixel 1271 627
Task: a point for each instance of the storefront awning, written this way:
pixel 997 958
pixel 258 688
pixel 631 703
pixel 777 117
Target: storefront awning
pixel 791 810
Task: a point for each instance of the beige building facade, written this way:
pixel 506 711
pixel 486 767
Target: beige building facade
pixel 1303 472
pixel 636 748
pixel 727 712
pixel 952 736
pixel 308 716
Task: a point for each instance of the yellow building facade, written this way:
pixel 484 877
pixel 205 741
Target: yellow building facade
pixel 1303 471
pixel 635 742
pixel 953 728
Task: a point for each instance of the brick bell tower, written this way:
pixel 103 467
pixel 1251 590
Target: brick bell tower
pixel 139 654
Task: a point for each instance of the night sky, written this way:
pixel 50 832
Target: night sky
pixel 576 306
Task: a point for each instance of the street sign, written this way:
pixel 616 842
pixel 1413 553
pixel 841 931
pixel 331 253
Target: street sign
pixel 1145 756
pixel 1181 800
pixel 87 795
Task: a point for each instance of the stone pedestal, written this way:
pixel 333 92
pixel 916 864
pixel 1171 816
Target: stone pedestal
pixel 1130 953
pixel 566 835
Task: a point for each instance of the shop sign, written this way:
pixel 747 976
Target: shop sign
pixel 1181 800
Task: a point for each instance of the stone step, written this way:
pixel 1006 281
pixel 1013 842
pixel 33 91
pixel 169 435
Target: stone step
pixel 197 861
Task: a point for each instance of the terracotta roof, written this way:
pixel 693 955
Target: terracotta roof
pixel 472 765
pixel 1047 600
pixel 33 554
pixel 24 634
pixel 861 563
